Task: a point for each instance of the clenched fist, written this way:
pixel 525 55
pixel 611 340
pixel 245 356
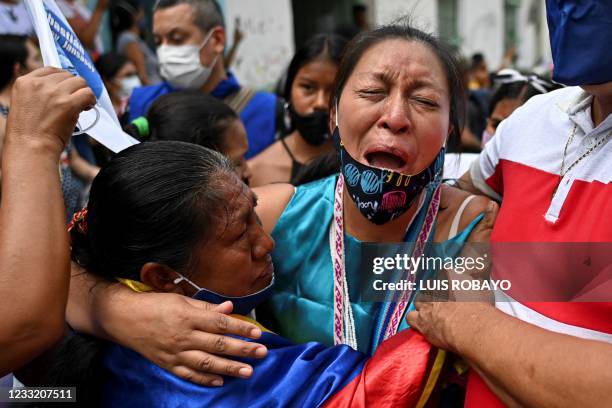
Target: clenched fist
pixel 45 106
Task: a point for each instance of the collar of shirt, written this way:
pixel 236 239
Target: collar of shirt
pixel 226 87
pixel 578 108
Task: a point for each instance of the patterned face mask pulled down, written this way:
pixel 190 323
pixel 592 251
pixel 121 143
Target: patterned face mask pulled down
pixel 382 195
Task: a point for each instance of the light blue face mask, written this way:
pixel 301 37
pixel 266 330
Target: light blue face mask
pixel 242 304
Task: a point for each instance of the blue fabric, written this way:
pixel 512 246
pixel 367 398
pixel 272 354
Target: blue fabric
pixel 258 116
pixel 226 87
pixel 143 96
pixel 580 32
pixel 304 277
pixel 291 375
pixel 81 143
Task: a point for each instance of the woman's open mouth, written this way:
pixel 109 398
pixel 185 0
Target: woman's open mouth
pixel 385 160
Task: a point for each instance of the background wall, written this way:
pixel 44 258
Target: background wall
pixel 268 43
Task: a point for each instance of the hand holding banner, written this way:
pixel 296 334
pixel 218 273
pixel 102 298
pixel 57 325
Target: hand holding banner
pixel 61 48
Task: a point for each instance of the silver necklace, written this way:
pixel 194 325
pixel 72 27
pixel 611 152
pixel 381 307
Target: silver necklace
pixel 562 170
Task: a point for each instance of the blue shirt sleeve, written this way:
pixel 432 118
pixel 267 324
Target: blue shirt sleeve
pixel 143 97
pixel 259 118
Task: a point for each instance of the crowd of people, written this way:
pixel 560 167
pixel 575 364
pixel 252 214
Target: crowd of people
pixel 218 262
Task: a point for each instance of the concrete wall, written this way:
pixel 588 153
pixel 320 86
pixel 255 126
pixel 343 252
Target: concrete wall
pixel 481 26
pixel 267 46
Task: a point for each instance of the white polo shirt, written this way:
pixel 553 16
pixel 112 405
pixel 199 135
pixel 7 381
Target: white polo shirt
pixel 521 164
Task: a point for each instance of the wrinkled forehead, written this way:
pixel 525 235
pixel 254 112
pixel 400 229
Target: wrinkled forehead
pixel 238 200
pixel 400 62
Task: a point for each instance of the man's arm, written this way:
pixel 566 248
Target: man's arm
pixel 182 335
pixel 533 366
pixel 34 260
pixel 87 32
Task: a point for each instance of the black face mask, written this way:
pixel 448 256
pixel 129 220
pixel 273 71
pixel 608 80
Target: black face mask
pixel 314 127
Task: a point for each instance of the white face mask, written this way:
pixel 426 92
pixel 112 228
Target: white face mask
pixel 180 65
pixel 127 85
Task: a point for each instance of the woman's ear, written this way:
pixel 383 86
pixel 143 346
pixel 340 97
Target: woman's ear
pixel 332 118
pixel 159 277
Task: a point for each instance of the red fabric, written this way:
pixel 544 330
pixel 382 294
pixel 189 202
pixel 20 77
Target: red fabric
pixel 584 217
pixel 496 181
pixel 527 195
pixel 393 377
pixel 478 394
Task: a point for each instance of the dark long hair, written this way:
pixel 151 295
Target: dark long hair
pixel 191 117
pixel 12 51
pixel 356 48
pixel 153 202
pixel 320 46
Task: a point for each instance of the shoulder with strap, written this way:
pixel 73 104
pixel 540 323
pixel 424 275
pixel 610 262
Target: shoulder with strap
pixel 454 228
pixel 240 99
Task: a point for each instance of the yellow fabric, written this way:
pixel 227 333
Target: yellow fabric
pixel 136 286
pixel 433 378
pixel 249 320
pixel 140 287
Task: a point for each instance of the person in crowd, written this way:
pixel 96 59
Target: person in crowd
pixel 360 22
pixel 193 117
pixel 478 94
pixel 18 56
pixel 310 79
pixel 395 103
pixel 190 39
pixel 479 77
pixel 120 77
pixel 546 342
pixel 511 90
pixel 33 241
pixel 126 22
pixel 85 23
pixel 14 18
pixel 192 230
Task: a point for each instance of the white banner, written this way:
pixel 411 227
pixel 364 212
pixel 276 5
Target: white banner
pixel 61 48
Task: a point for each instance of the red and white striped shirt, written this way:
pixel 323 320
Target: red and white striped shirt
pixel 521 164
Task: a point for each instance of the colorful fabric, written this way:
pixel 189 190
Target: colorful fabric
pixel 522 165
pixel 304 276
pixel 258 116
pixel 306 375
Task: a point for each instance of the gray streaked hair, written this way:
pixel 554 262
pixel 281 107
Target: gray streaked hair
pixel 207 13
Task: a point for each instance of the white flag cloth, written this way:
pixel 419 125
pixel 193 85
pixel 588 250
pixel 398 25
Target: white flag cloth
pixel 61 48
